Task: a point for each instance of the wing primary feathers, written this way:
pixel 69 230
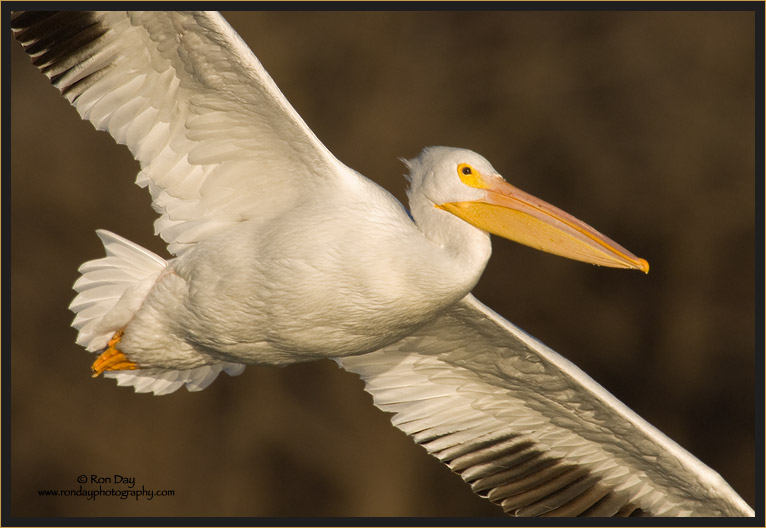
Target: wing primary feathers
pixel 530 431
pixel 51 38
pixel 39 32
pixel 158 81
pixel 62 44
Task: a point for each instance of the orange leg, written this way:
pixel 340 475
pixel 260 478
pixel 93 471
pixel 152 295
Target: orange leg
pixel 112 359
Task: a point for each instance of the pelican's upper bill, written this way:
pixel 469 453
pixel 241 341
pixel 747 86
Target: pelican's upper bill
pixel 513 214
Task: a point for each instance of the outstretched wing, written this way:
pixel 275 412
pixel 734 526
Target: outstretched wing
pixel 528 429
pixel 217 141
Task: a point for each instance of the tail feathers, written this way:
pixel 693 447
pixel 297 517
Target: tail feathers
pixel 109 292
pixel 164 381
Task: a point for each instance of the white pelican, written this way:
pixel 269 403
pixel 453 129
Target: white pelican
pixel 283 254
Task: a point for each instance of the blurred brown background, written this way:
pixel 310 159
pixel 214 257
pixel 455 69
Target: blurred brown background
pixel 639 123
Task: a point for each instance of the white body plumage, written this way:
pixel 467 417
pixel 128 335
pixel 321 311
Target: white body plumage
pixel 308 284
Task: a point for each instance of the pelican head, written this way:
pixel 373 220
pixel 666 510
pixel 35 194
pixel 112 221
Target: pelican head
pixel 464 184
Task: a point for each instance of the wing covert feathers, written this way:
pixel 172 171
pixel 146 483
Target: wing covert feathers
pixel 529 430
pixel 215 138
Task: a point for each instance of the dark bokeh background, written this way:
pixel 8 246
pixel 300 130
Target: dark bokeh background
pixel 639 123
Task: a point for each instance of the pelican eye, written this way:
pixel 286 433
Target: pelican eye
pixel 470 176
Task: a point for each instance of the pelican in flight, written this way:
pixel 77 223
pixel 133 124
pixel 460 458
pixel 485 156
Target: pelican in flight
pixel 282 254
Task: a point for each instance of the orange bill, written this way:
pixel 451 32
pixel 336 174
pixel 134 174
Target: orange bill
pixel 513 214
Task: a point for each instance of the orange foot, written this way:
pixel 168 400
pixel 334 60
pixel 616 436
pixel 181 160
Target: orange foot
pixel 112 359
